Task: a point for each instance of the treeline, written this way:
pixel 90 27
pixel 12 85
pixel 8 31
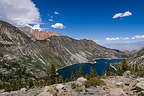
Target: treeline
pixel 125 67
pixel 9 83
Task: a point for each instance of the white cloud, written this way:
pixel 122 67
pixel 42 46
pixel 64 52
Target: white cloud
pixel 133 38
pixel 127 13
pixel 37 26
pixel 56 13
pixel 126 38
pixel 58 25
pixel 19 12
pixel 139 37
pixel 118 15
pixel 50 20
pixel 111 39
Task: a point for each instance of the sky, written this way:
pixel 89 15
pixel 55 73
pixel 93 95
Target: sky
pixel 104 21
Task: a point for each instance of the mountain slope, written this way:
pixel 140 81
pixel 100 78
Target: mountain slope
pixel 137 58
pixel 16 45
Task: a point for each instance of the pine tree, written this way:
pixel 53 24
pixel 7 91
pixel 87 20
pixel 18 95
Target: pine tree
pixel 136 69
pixel 92 73
pixel 87 76
pixel 124 65
pixel 66 80
pixel 53 74
pixel 72 77
pixel 80 71
pixel 60 79
pixel 108 72
pixel 77 74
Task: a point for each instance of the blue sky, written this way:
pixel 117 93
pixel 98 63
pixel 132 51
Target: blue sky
pixel 93 19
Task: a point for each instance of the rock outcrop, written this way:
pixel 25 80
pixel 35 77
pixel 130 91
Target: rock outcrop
pixel 66 89
pixel 35 34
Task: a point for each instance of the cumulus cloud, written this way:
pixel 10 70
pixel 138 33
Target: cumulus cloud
pixel 37 26
pixel 126 38
pixel 111 39
pixel 118 15
pixel 19 12
pixel 56 13
pixel 58 26
pixel 139 37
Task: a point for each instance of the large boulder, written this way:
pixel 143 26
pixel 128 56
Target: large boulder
pixel 127 74
pixel 140 86
pixel 133 84
pixel 45 94
pixel 117 92
pixel 82 79
pixel 23 89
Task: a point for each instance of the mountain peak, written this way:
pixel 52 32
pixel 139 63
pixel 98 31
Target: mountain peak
pixel 36 34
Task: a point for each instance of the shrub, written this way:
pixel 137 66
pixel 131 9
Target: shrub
pixel 94 82
pixel 79 89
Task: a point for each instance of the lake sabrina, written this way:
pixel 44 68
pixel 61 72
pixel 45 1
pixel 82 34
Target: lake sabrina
pixel 99 66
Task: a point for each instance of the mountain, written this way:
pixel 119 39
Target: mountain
pixel 36 55
pixel 125 46
pixel 36 34
pixel 137 58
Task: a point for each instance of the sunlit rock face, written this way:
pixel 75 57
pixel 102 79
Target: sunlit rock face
pixel 36 34
pixel 42 35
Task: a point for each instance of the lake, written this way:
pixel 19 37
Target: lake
pixel 99 66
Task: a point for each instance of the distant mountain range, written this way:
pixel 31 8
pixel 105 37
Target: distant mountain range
pixel 125 46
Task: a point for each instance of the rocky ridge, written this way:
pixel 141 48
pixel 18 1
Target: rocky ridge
pixel 114 86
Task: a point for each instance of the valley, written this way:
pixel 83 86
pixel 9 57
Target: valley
pixel 29 60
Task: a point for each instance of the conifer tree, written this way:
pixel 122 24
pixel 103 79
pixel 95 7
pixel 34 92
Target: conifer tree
pixel 66 80
pixel 124 65
pixel 72 77
pixel 53 74
pixel 80 71
pixel 77 74
pixel 60 79
pixel 87 76
pixel 136 69
pixel 108 72
pixel 92 73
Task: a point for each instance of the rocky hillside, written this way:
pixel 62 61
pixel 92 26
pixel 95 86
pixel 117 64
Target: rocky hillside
pixel 137 58
pixel 112 86
pixel 16 45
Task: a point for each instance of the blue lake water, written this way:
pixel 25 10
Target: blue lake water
pixel 99 66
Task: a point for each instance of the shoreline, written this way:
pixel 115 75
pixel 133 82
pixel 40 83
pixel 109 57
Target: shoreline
pixel 74 64
pixel 87 62
pixel 113 67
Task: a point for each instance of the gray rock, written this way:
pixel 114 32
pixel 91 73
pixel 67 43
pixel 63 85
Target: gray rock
pixel 45 94
pixel 140 93
pixel 133 84
pixel 127 74
pixel 140 86
pixel 93 91
pixel 117 92
pixel 78 83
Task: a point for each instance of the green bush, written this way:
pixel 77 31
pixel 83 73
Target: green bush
pixel 94 82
